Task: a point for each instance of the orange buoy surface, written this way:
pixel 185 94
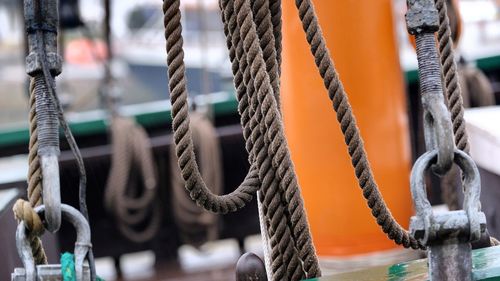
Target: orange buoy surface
pixel 361 38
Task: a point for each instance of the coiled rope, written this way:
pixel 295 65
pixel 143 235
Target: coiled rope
pixel 131 207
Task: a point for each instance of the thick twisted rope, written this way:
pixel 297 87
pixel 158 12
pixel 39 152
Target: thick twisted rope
pixel 23 210
pixel 349 128
pixel 450 73
pixel 284 256
pixel 195 225
pixel 454 97
pixel 244 90
pixel 131 148
pixel 275 202
pixel 265 31
pixel 275 7
pixel 277 170
pixel 182 133
pixel 279 154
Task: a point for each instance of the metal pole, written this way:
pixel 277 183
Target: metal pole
pixel 450 261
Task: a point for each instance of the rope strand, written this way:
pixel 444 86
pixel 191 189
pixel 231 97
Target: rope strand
pixel 349 128
pixel 455 104
pixel 24 210
pixel 182 132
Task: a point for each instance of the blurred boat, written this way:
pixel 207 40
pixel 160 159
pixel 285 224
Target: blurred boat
pixel 207 63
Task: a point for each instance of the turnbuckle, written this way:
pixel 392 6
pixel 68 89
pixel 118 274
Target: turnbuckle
pixel 448 235
pixel 42 21
pixel 422 20
pixel 31 272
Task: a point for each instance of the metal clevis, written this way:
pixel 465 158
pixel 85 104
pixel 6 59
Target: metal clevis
pixel 52 272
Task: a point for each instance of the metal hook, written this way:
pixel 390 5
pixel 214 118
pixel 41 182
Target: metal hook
pixel 51 190
pixel 438 132
pixel 82 244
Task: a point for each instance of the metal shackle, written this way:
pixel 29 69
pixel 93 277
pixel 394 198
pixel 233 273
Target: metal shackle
pixel 427 226
pixel 82 244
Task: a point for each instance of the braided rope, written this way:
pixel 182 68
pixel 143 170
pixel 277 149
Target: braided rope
pixel 34 169
pixel 182 132
pixel 23 210
pixel 275 7
pixel 269 120
pixel 265 31
pixel 349 128
pixel 454 98
pixel 449 68
pixel 195 225
pixel 274 214
pixel 245 89
pixel 287 222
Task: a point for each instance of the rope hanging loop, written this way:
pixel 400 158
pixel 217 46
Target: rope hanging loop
pixel 82 248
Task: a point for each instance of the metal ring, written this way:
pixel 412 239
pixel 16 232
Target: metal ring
pixel 471 186
pixel 82 245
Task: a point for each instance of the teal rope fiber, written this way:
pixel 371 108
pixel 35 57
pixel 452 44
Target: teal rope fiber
pixel 68 268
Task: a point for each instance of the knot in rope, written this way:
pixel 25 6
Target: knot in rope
pixel 23 211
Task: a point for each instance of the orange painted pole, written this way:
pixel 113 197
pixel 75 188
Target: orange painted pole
pixel 360 35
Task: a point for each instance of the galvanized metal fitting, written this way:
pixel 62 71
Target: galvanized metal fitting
pixel 34 64
pixel 42 19
pixel 438 129
pixel 30 272
pixel 422 17
pixel 465 225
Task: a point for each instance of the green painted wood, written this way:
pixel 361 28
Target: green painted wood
pixel 94 122
pixel 223 103
pixel 486 266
